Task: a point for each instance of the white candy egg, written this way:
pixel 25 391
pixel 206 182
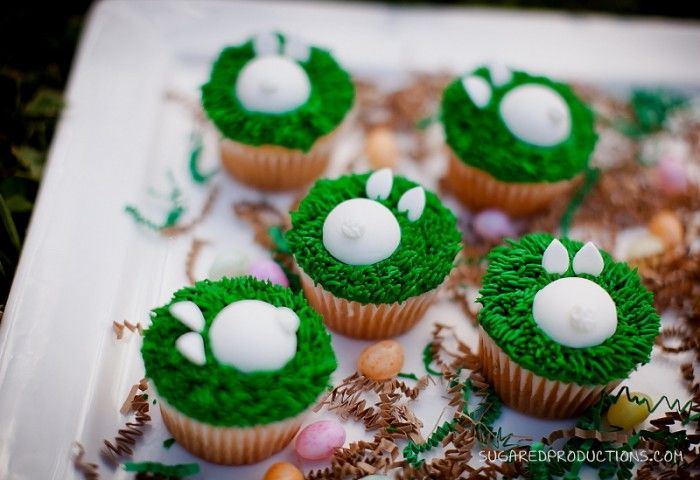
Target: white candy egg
pixel 536 114
pixel 253 335
pixel 360 231
pixel 272 84
pixel 575 312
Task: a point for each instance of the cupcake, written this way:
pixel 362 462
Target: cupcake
pixel 516 141
pixel 372 251
pixel 236 364
pixel 561 323
pixel 277 104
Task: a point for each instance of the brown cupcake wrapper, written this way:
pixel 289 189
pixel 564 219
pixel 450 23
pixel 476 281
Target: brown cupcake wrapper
pixel 366 321
pixel 478 190
pixel 532 394
pixel 271 167
pixel 229 445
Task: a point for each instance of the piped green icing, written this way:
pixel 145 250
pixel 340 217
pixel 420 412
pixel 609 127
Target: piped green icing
pixel 421 262
pixel 332 96
pixel 515 275
pixel 219 394
pixel 480 138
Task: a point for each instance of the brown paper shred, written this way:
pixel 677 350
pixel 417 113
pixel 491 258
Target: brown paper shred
pixel 122 446
pixel 566 434
pixel 127 406
pixel 192 256
pixel 208 205
pixel 262 216
pixel 119 327
pixel 90 471
pixel 684 339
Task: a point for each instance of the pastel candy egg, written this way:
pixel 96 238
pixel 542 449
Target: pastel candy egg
pixel 671 175
pixel 381 148
pixel 626 413
pixel 493 225
pixel 667 226
pixel 267 269
pixel 283 471
pixel 645 246
pixel 319 440
pixel 381 361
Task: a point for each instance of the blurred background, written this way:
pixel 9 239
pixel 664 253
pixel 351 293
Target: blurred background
pixel 37 43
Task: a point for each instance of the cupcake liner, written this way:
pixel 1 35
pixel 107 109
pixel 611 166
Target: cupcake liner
pixel 229 445
pixel 478 190
pixel 271 167
pixel 366 321
pixel 526 392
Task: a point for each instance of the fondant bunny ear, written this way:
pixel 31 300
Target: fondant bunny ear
pixel 379 184
pixel 413 202
pixel 189 314
pixel 297 49
pixel 500 74
pixel 555 258
pixel 267 43
pixel 289 321
pixel 478 90
pixel 191 346
pixel 588 260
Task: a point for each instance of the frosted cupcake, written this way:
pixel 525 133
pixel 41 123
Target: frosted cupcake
pixel 236 364
pixel 561 323
pixel 277 103
pixel 516 141
pixel 373 251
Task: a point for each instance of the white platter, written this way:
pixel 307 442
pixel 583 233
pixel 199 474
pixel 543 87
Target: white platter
pixel 63 375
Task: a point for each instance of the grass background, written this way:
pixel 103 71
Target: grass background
pixel 37 43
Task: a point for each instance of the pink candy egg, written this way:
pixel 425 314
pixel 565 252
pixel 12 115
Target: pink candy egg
pixel 493 225
pixel 267 269
pixel 319 440
pixel 671 175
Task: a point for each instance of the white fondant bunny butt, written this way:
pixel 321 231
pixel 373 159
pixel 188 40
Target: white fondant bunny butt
pixel 573 311
pixel 253 335
pixel 362 231
pixel 250 335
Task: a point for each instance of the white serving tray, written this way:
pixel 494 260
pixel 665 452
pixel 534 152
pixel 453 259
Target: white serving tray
pixel 63 375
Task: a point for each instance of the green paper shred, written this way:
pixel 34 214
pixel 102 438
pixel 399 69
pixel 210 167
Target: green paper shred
pixel 591 178
pixel 172 216
pixel 195 155
pixel 168 443
pixel 412 376
pixel 652 107
pixel 428 360
pixel 173 471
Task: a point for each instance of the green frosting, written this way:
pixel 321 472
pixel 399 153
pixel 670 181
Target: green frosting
pixel 219 394
pixel 515 275
pixel 421 262
pixel 480 138
pixel 332 96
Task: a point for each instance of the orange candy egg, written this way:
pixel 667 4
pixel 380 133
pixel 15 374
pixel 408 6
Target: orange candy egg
pixel 283 471
pixel 381 361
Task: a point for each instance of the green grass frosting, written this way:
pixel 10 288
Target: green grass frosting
pixel 421 262
pixel 219 394
pixel 515 275
pixel 332 96
pixel 480 138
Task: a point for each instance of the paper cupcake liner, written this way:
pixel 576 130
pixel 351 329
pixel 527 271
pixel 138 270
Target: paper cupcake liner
pixel 370 321
pixel 478 190
pixel 271 167
pixel 229 445
pixel 526 392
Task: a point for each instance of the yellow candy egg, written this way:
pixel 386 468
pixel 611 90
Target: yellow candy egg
pixel 283 471
pixel 381 148
pixel 626 413
pixel 381 361
pixel 668 227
